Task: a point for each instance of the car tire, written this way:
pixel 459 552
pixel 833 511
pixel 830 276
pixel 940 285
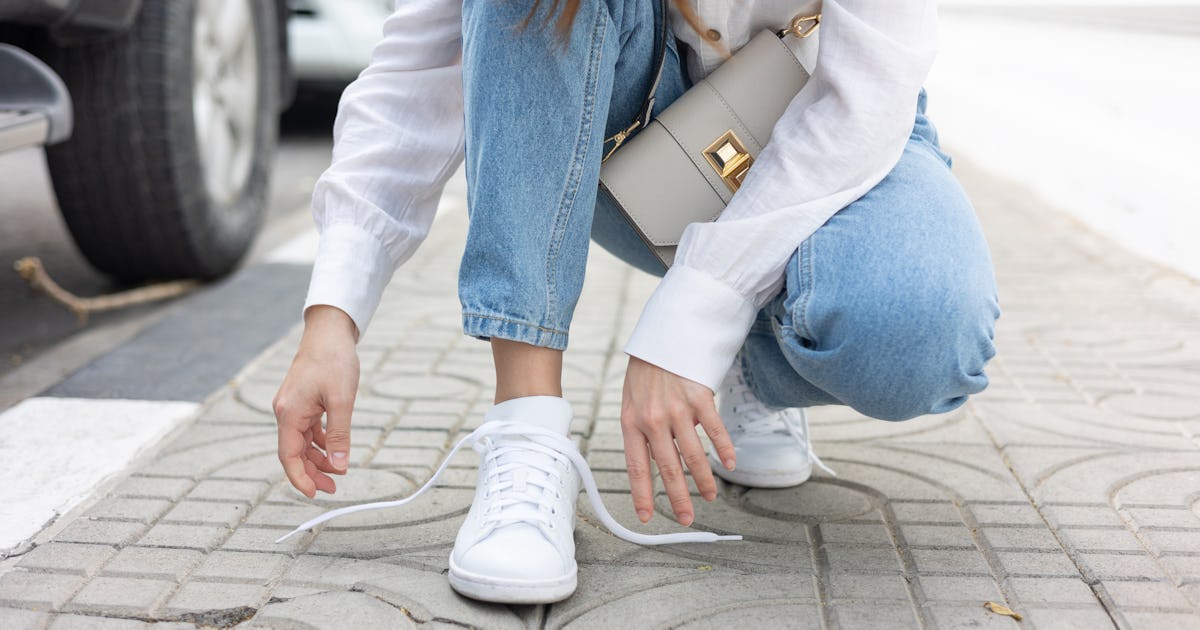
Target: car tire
pixel 157 183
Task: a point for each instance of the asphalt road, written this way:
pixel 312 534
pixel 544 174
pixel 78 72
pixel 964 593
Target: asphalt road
pixel 32 326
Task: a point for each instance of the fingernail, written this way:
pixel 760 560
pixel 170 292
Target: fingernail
pixel 644 516
pixel 729 464
pixel 340 460
pixel 710 496
pixel 685 519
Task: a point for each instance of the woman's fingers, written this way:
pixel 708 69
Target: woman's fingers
pixel 637 462
pixel 666 458
pixel 692 452
pixel 715 428
pixel 291 454
pixel 323 482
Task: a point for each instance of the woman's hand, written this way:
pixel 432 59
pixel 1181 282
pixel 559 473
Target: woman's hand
pixel 323 379
pixel 659 414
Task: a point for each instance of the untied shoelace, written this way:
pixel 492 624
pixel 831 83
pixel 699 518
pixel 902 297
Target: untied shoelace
pixel 539 437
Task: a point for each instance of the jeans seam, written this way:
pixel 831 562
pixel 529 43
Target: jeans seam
pixel 507 320
pixel 805 274
pixel 575 173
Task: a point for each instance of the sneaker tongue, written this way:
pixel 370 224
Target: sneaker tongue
pixel 548 412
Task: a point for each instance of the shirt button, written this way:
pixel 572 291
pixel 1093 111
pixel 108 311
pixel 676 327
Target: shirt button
pixel 713 34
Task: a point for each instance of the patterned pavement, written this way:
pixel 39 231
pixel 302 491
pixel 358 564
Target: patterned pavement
pixel 1069 491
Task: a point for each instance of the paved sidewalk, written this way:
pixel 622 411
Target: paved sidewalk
pixel 1070 491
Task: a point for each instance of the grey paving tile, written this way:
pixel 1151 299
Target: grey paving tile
pixel 90 622
pixel 88 530
pixel 1043 590
pixel 957 561
pixel 234 565
pixel 128 508
pixel 79 559
pixel 120 596
pixel 44 591
pixel 1140 594
pixel 197 596
pixel 23 619
pixel 201 537
pixel 152 562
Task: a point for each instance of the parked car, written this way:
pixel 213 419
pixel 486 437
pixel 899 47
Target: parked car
pixel 332 40
pixel 160 120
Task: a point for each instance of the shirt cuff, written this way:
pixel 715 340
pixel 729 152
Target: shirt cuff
pixel 351 272
pixel 692 326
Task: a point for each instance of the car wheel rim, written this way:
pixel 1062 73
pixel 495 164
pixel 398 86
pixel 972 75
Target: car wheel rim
pixel 225 94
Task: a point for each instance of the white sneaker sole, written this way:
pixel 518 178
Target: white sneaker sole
pixel 761 478
pixel 512 591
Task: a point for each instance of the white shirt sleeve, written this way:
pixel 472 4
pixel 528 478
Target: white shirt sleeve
pixel 398 137
pixel 839 137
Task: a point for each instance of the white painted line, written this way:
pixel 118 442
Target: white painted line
pixel 57 450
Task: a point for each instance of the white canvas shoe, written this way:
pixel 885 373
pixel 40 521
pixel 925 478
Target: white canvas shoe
pixel 772 445
pixel 517 543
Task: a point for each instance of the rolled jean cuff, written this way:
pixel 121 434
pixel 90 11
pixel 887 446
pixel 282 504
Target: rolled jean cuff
pixel 483 326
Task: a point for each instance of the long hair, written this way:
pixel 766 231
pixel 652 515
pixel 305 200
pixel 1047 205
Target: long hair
pixel 569 8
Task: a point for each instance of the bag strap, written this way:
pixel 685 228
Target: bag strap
pixel 647 110
pixel 801 26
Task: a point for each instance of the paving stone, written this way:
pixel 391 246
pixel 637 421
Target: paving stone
pixel 131 509
pixel 969 617
pixel 1021 538
pixel 858 586
pixel 1160 595
pixel 1052 590
pixel 1006 514
pixel 229 490
pixel 332 610
pixel 958 561
pixel 44 591
pixel 1101 540
pixel 844 559
pixel 90 622
pixel 120 595
pixel 1163 621
pixel 852 533
pixel 20 619
pixel 152 562
pixel 207 512
pixel 208 596
pixel 1028 563
pixel 233 565
pixel 170 488
pixel 73 558
pixel 938 536
pixel 1124 565
pixel 959 589
pixel 88 530
pixel 1087 618
pixel 202 537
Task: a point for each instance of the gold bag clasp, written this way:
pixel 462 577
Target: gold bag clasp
pixel 730 159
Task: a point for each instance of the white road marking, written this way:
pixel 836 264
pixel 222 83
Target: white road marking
pixel 56 451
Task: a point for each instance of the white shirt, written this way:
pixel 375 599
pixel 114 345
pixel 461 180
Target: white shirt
pixel 399 136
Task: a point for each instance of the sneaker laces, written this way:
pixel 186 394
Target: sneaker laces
pixel 758 419
pixel 497 436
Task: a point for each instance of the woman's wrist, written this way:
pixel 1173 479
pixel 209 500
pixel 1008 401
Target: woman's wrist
pixel 324 321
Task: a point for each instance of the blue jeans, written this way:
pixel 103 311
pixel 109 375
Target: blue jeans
pixel 889 307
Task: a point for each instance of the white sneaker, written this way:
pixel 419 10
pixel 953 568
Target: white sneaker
pixel 772 445
pixel 517 543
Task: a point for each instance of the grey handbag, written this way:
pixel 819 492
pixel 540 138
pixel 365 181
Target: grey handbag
pixel 684 166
